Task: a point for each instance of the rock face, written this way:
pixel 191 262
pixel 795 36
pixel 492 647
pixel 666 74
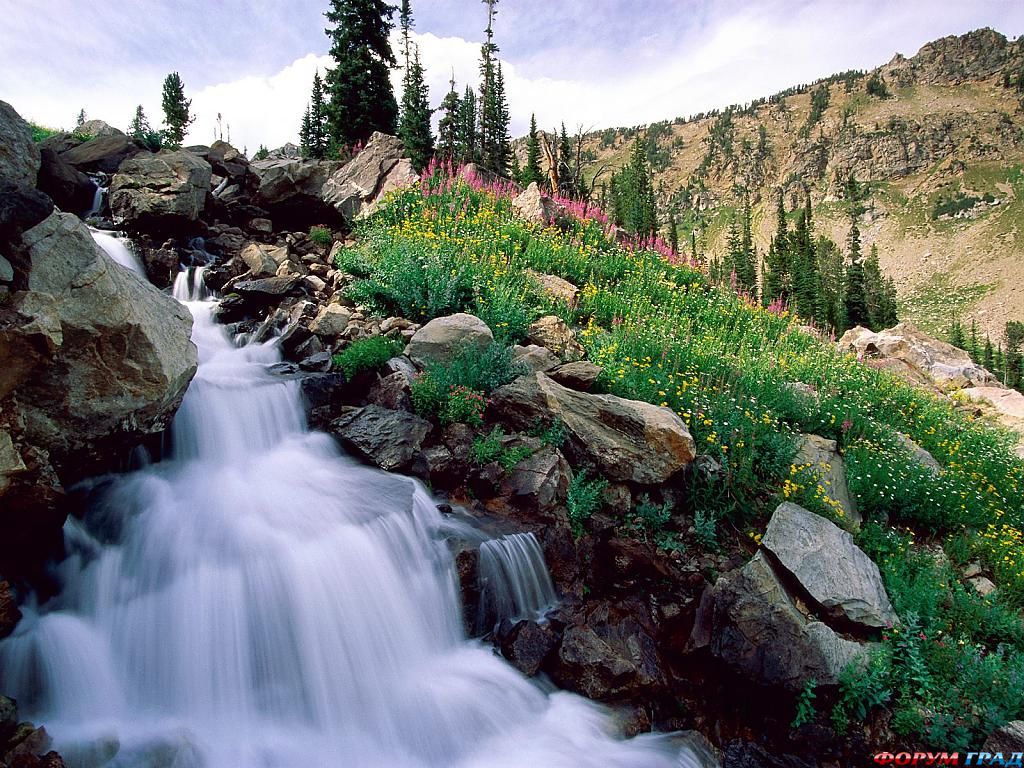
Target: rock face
pixel 103 154
pixel 401 176
pixel 627 440
pixel 19 155
pixel 380 436
pixel 444 337
pixel 67 186
pixel 361 179
pixel 162 191
pixel 757 629
pixel 822 458
pixel 93 359
pixel 290 189
pixel 832 570
pixel 917 356
pixel 1006 406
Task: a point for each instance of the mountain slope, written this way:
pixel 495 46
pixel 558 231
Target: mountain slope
pixel 950 130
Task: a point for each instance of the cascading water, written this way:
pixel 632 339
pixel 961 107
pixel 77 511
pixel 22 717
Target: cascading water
pixel 514 580
pixel 258 599
pixel 119 249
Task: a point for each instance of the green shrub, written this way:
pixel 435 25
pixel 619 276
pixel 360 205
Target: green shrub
pixel 321 236
pixel 490 447
pixel 366 354
pixel 463 405
pixel 41 132
pixel 805 711
pixel 583 500
pixel 352 261
pixel 471 370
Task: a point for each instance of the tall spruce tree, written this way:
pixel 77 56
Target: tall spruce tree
pixel 360 98
pixel 567 171
pixel 532 172
pixel 746 259
pixel 502 138
pixel 448 124
pixel 856 283
pixel 177 114
pixel 632 191
pixel 673 230
pixel 489 110
pixel 468 144
pixel 777 283
pixel 414 128
pixel 319 130
pixel 830 311
pixel 305 129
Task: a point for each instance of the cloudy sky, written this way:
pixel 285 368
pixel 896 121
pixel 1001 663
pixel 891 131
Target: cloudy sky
pixel 595 63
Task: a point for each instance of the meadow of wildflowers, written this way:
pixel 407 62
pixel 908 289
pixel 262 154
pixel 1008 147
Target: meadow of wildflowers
pixel 727 366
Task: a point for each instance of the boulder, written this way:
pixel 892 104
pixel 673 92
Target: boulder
pixel 103 154
pixel 98 129
pixel 541 480
pixel 163 191
pixel 228 162
pixel 534 358
pixel 821 457
pixel 11 463
pixel 19 155
pixel 289 189
pixel 390 439
pixel 263 260
pixel 580 375
pixel 392 392
pixel 628 440
pixel 1006 406
pixel 360 180
pixel 9 618
pixel 21 208
pixel 1007 739
pixel 67 186
pixel 919 454
pixel 757 629
pixel 443 338
pixel 527 644
pixel 401 176
pixel 554 286
pixel 331 321
pixel 940 363
pixel 553 333
pixel 841 582
pixel 268 288
pixel 122 356
pixel 535 206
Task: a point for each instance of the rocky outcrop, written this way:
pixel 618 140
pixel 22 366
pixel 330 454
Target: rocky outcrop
pixel 1006 406
pixel 390 439
pixel 362 178
pixel 533 205
pixel 821 458
pixel 553 333
pixel 843 582
pixel 19 155
pixel 290 190
pixel 627 440
pixel 444 337
pixel 917 356
pixel 160 192
pixel 93 360
pixel 67 186
pixel 103 154
pixel 22 745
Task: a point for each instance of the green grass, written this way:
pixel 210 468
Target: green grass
pixel 664 335
pixel 932 305
pixel 366 355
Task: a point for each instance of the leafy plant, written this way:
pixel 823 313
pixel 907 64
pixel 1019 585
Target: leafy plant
pixel 862 687
pixel 321 236
pixel 805 711
pixel 471 370
pixel 366 354
pixel 583 499
pixel 491 447
pixel 464 405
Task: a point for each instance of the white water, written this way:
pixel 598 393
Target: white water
pixel 260 600
pixel 119 249
pixel 514 580
pixel 97 201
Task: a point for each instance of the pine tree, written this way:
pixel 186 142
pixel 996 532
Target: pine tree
pixel 319 129
pixel 972 341
pixel 360 99
pixel 831 309
pixel 489 107
pixel 448 125
pixel 956 333
pixel 414 128
pixel 632 191
pixel 778 263
pixel 305 129
pixel 856 288
pixel 746 266
pixel 988 355
pixel 176 107
pixel 1013 358
pixel 733 255
pixel 805 268
pixel 468 148
pixel 139 127
pixel 673 230
pixel 80 120
pixel 532 172
pixel 501 136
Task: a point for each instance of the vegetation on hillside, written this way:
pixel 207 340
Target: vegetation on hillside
pixel 954 669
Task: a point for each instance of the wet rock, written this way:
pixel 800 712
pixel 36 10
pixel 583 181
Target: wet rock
pixel 390 439
pixel 740 754
pixel 540 480
pixel 831 569
pixel 268 288
pixel 553 333
pixel 527 644
pixel 822 458
pixel 9 618
pixel 166 191
pixel 443 338
pixel 263 260
pixel 19 155
pixel 627 440
pixel 316 363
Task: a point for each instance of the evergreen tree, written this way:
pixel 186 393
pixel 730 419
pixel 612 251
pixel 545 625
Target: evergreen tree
pixel 856 288
pixel 988 355
pixel 733 255
pixel 80 120
pixel 501 137
pixel 176 107
pixel 956 333
pixel 881 302
pixel 746 266
pixel 405 24
pixel 673 230
pixel 515 171
pixel 468 148
pixel 778 263
pixel 490 116
pixel 414 128
pixel 448 125
pixel 140 130
pixel 532 172
pixel 319 138
pixel 805 275
pixel 305 129
pixel 972 342
pixel 1013 358
pixel 632 191
pixel 831 309
pixel 360 99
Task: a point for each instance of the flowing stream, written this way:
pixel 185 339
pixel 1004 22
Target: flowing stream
pixel 257 599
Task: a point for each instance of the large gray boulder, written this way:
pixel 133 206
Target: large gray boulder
pixel 821 457
pixel 757 629
pixel 390 439
pixel 289 188
pixel 627 440
pixel 535 206
pixel 121 355
pixel 103 154
pixel 68 187
pixel 361 179
pixel 840 580
pixel 443 338
pixel 162 191
pixel 19 155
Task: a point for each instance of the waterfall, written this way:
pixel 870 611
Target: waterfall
pixel 97 202
pixel 514 580
pixel 257 598
pixel 119 249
